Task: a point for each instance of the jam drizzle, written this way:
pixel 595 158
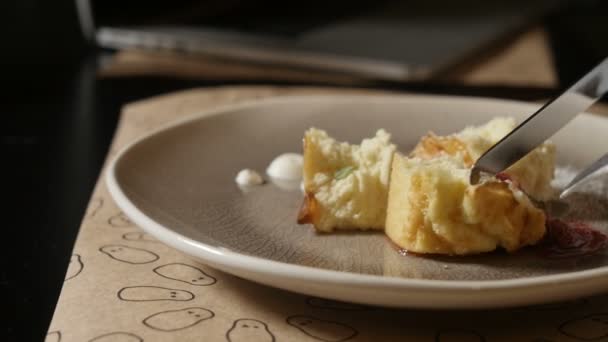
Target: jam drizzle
pixel 505 177
pixel 568 239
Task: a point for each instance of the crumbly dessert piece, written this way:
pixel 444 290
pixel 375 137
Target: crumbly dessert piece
pixel 346 186
pixel 432 208
pixel 533 173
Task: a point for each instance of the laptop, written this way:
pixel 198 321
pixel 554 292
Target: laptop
pixel 384 40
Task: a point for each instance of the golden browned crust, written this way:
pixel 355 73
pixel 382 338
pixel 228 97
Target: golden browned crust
pixel 309 210
pixel 496 202
pixel 431 146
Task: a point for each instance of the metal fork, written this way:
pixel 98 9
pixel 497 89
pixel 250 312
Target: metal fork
pixel 581 176
pixel 558 207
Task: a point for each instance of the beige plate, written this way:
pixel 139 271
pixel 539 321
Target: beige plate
pixel 178 185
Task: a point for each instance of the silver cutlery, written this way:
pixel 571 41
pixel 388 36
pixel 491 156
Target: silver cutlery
pixel 544 123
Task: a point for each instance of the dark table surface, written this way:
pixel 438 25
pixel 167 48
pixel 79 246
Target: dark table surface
pixel 61 119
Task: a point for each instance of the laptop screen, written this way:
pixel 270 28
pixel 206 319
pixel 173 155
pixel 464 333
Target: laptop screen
pixel 383 39
pixel 266 17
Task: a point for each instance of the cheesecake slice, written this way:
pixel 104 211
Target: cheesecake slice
pixel 345 186
pixel 432 208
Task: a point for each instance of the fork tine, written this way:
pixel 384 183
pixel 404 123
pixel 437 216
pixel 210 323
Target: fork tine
pixel 591 169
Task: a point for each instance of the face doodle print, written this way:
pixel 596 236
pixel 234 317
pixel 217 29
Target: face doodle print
pixel 153 294
pixel 457 335
pixel 185 273
pixel 589 328
pixel 120 220
pixel 249 330
pixel 322 330
pixel 53 336
pixel 138 237
pixel 130 255
pixel 94 207
pixel 173 320
pixel 74 267
pixel 118 336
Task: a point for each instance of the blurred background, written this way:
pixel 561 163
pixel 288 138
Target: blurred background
pixel 69 66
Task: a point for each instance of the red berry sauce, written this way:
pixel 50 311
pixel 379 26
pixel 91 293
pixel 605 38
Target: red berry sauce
pixel 567 239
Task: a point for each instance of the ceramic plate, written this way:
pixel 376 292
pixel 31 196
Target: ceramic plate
pixel 178 185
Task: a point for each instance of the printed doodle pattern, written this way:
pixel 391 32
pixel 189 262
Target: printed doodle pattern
pixel 130 255
pixel 249 330
pixel 186 274
pixel 174 320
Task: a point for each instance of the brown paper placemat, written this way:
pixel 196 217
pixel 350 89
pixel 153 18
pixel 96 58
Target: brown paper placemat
pixel 123 285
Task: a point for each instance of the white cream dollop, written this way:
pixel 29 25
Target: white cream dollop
pixel 247 177
pixel 286 166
